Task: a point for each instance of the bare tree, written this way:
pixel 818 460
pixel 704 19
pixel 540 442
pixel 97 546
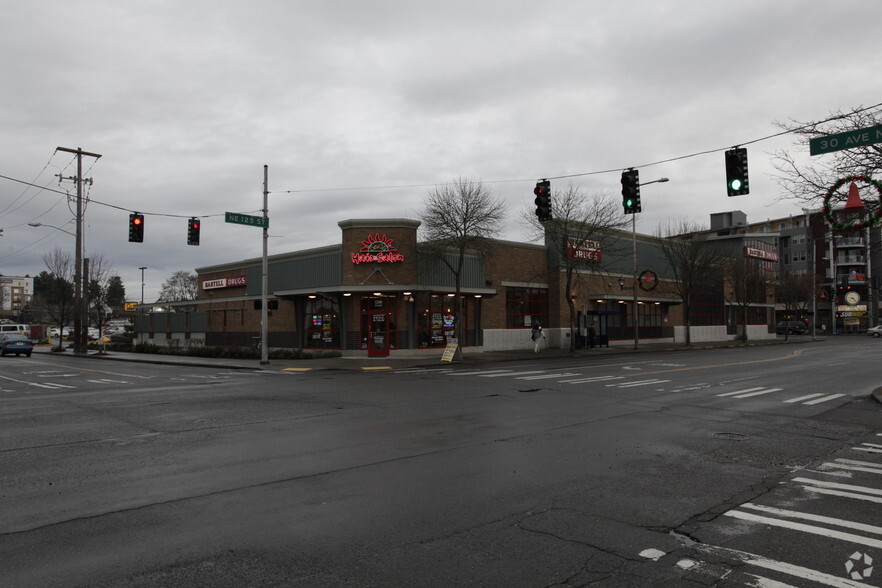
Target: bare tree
pixel 580 222
pixel 57 289
pixel 98 285
pixel 459 218
pixel 809 182
pixel 795 292
pixel 181 285
pixel 695 266
pixel 747 282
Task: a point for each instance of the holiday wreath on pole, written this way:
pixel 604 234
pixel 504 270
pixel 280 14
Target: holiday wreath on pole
pixel 872 217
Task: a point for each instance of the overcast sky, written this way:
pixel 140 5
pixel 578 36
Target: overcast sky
pixel 186 101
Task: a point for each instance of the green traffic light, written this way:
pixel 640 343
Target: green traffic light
pixel 735 184
pixel 629 203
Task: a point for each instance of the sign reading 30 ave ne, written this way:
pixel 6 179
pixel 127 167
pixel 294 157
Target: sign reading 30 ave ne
pixel 847 140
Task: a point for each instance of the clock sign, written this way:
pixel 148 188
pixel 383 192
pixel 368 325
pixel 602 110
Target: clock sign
pixel 852 298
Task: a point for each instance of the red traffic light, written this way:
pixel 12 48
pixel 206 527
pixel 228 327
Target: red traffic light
pixel 137 220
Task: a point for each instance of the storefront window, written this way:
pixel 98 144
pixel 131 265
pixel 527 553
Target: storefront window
pixel 322 323
pixel 435 322
pixel 525 307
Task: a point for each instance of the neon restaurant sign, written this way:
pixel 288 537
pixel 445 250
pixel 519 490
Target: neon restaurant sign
pixel 377 249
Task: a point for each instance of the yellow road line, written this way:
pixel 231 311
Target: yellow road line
pixel 796 353
pixel 379 367
pixel 296 369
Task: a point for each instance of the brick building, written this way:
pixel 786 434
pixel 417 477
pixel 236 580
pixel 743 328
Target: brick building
pixel 378 292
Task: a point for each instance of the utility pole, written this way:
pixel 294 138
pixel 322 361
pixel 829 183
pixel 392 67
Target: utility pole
pixel 264 314
pixel 81 318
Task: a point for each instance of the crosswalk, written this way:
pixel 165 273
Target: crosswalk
pixel 780 395
pixel 816 509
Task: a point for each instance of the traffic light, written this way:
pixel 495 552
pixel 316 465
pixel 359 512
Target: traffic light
pixel 193 231
pixel 543 200
pixel 631 191
pixel 136 228
pixel 736 172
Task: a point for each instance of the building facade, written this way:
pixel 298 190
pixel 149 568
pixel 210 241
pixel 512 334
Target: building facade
pixel 380 292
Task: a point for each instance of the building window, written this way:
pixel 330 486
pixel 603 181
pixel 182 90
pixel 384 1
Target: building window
pixel 525 307
pixel 322 323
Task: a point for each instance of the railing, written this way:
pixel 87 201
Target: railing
pixel 849 242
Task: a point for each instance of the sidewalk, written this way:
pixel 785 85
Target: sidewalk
pixel 362 363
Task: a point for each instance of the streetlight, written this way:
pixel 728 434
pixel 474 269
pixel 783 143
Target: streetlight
pixel 142 282
pixel 51 227
pixel 634 255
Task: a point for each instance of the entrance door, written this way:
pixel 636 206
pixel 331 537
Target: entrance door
pixel 378 337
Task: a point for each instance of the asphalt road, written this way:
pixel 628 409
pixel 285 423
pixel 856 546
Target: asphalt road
pixel 743 466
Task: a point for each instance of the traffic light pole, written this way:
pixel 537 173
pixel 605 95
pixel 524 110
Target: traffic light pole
pixel 634 277
pixel 264 315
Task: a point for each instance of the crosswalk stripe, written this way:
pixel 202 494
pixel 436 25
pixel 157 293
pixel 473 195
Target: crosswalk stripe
pixel 546 376
pixel 638 383
pixel 740 391
pixel 759 393
pixel 801 398
pixel 838 486
pixel 511 374
pixel 855 466
pixel 478 372
pixel 51 386
pixel 815 518
pixel 805 528
pixel 824 399
pixel 594 379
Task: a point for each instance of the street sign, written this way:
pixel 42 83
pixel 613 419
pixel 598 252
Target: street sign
pixel 246 219
pixel 847 140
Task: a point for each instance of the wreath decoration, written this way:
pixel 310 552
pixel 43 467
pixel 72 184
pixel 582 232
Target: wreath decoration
pixel 870 220
pixel 648 280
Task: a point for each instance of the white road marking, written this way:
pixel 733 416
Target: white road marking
pixel 824 399
pixel 547 376
pixel 838 486
pixel 815 518
pixel 594 379
pixel 638 383
pixel 741 391
pixel 801 398
pixel 511 374
pixel 782 567
pixel 851 537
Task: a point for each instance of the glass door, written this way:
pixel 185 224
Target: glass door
pixel 378 335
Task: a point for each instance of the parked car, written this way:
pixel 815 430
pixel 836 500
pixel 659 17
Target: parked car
pixel 791 328
pixel 15 343
pixel 875 331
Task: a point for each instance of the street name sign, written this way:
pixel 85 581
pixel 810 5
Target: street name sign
pixel 839 141
pixel 246 219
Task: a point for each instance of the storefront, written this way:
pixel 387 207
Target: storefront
pixel 378 292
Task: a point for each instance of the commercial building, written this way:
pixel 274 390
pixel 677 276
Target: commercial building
pixel 379 292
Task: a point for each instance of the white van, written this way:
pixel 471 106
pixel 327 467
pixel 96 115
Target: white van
pixel 20 329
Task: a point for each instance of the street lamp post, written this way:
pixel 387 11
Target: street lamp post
pixel 634 258
pixel 142 282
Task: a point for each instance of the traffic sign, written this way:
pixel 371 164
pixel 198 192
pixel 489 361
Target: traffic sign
pixel 246 219
pixel 847 140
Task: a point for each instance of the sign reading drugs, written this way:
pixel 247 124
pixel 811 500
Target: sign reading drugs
pixel 583 249
pixel 224 282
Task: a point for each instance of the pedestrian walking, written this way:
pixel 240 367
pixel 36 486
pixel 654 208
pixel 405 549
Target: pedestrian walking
pixel 535 335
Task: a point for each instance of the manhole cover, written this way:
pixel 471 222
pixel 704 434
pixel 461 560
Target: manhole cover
pixel 730 436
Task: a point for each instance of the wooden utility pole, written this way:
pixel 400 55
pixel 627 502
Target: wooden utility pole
pixel 81 317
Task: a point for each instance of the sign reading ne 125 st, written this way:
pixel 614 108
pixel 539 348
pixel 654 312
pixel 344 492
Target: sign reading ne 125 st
pixel 246 219
pixel 847 140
